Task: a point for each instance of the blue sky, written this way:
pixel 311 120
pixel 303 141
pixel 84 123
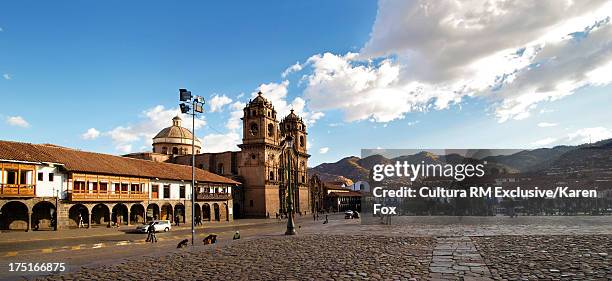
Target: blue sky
pixel 368 74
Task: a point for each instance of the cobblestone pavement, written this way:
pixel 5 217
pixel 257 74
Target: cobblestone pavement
pixel 456 258
pixel 564 249
pixel 562 257
pixel 311 257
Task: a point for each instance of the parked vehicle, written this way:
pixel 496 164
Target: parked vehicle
pixel 355 215
pixel 160 225
pixel 348 214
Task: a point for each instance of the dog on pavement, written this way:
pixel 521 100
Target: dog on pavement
pixel 210 239
pixel 183 243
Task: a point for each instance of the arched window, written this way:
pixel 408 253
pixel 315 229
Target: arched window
pixel 220 168
pixel 270 130
pixel 175 150
pixel 301 141
pixel 254 129
pixel 271 175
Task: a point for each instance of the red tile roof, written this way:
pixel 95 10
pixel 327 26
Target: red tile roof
pixel 98 163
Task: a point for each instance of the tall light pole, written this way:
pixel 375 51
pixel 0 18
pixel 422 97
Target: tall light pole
pixel 191 105
pixel 287 148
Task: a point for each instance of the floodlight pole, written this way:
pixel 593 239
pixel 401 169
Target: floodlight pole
pixel 193 188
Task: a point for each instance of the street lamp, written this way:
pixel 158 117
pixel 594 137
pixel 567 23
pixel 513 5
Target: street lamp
pixel 191 105
pixel 287 145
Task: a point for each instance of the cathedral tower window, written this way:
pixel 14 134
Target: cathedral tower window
pixel 254 129
pixel 270 129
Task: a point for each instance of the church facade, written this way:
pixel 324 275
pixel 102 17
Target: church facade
pixel 260 165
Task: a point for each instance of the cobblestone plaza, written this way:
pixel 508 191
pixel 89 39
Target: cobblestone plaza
pixel 416 248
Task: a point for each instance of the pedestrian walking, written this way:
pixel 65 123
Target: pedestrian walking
pixel 149 232
pixel 152 233
pixel 81 223
pixel 176 220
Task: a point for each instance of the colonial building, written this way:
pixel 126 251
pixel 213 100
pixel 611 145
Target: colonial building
pixel 334 196
pixel 43 186
pixel 260 165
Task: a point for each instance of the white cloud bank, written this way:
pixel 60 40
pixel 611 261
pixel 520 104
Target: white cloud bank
pixel 17 121
pixel 91 134
pixel 151 122
pixel 323 150
pixel 429 55
pixel 217 102
pixel 547 124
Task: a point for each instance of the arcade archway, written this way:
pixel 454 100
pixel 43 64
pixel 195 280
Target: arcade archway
pixel 43 216
pixel 14 216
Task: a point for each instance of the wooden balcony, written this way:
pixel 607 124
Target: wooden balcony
pixel 107 196
pixel 213 196
pixel 17 190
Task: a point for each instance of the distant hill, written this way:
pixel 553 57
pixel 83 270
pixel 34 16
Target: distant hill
pixel 355 169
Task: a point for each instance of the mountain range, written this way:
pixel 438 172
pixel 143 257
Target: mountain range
pixel 353 168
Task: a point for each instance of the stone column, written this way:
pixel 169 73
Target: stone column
pixel 29 221
pixel 90 219
pixel 128 217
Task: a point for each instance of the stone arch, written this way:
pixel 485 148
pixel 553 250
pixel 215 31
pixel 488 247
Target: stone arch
pixel 197 212
pixel 137 213
pixel 175 150
pixel 217 212
pixel 14 215
pixel 225 212
pixel 73 215
pixel 43 215
pixel 120 214
pixel 179 210
pixel 166 212
pixel 152 212
pixel 206 212
pixel 100 214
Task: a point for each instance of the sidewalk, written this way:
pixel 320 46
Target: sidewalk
pixel 21 236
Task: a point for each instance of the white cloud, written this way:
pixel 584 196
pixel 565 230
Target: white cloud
pixel 91 134
pixel 429 55
pixel 220 142
pixel 589 135
pixel 276 93
pixel 323 150
pixel 151 122
pixel 234 122
pixel 17 121
pixel 546 124
pixel 294 68
pixel 543 142
pixel 7 76
pixel 217 102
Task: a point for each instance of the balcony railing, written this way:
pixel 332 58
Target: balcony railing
pixel 17 190
pixel 106 196
pixel 213 196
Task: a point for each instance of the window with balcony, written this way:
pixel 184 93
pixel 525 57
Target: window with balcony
pixel 103 187
pixel 117 188
pixel 79 187
pixel 155 191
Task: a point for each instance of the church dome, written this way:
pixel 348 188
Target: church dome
pixel 174 131
pixel 174 136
